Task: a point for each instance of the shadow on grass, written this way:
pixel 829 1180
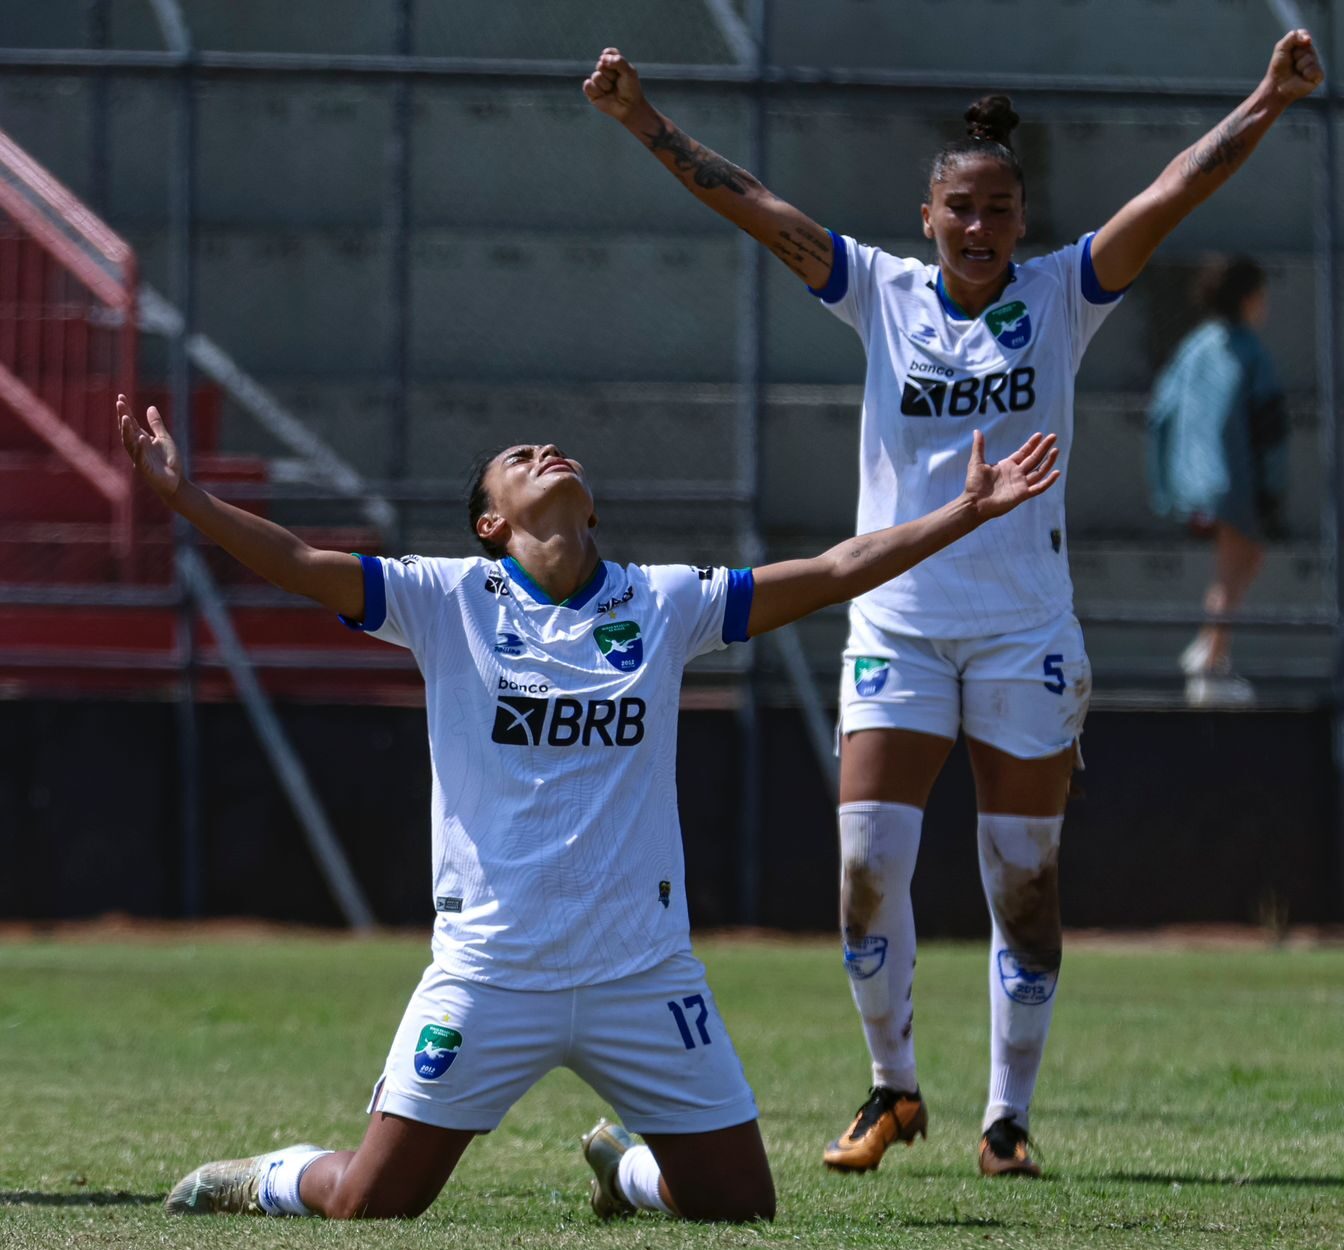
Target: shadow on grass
pixel 118 1198
pixel 1229 1182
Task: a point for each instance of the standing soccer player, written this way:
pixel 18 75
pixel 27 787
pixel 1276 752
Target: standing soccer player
pixel 982 637
pixel 552 686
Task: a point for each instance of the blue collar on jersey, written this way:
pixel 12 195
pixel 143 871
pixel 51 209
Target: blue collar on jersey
pixel 955 310
pixel 585 593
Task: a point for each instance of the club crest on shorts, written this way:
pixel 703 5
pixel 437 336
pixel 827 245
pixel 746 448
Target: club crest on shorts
pixel 865 956
pixel 1024 980
pixel 621 644
pixel 1010 324
pixel 436 1050
pixel 870 675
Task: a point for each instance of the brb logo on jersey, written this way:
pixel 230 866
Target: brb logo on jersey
pixel 870 675
pixel 563 722
pixel 1010 324
pixel 621 645
pixel 436 1050
pixel 935 391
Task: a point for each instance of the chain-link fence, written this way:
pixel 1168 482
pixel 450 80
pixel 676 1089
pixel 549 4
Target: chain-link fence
pixel 405 222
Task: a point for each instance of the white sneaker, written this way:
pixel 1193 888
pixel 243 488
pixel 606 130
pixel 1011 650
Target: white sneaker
pixel 231 1185
pixel 1219 689
pixel 1195 658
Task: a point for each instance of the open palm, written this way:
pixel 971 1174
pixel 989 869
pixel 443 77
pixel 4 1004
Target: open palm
pixel 999 488
pixel 152 451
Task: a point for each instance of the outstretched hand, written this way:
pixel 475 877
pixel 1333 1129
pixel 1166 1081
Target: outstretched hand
pixel 998 488
pixel 613 87
pixel 152 451
pixel 1294 68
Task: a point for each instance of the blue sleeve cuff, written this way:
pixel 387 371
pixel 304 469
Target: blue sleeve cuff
pixel 375 597
pixel 838 283
pixel 737 611
pixel 1093 291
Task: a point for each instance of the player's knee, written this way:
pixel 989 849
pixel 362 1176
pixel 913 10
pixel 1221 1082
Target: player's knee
pixel 736 1208
pixel 862 892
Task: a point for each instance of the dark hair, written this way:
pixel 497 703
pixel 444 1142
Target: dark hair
pixel 990 123
pixel 478 498
pixel 1224 284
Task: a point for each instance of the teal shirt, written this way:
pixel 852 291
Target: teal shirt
pixel 1207 457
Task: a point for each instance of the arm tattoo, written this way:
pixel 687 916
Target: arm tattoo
pixel 1225 147
pixel 708 169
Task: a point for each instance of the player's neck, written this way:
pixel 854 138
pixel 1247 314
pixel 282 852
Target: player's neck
pixel 561 564
pixel 971 299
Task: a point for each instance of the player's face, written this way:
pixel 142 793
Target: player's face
pixel 976 216
pixel 534 475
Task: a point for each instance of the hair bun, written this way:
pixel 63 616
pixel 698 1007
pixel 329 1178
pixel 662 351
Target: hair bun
pixel 991 119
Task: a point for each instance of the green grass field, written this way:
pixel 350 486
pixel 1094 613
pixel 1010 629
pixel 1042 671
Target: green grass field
pixel 1190 1098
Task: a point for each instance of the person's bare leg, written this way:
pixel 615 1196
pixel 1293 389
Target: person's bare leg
pixel 398 1170
pixel 1237 562
pixel 721 1175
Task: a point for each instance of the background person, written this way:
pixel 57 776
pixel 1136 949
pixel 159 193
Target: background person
pixel 1218 430
pixel 981 638
pixel 552 683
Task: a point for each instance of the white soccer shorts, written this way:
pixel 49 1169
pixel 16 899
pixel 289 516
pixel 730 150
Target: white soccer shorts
pixel 1024 693
pixel 652 1044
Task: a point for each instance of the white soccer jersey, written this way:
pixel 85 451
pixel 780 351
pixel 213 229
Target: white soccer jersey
pixel 933 377
pixel 557 854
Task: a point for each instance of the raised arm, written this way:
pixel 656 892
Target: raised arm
pixel 1122 246
pixel 793 588
pixel 613 88
pixel 334 579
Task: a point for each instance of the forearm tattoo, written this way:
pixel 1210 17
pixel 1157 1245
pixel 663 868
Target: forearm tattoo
pixel 798 245
pixel 708 169
pixel 1226 146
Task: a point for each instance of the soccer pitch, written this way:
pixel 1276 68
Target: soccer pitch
pixel 1189 1098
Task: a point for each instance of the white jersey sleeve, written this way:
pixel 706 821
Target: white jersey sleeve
pixel 404 599
pixel 1086 303
pixel 711 605
pixel 855 274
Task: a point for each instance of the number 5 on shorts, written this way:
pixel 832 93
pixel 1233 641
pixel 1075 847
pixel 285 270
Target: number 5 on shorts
pixel 1053 670
pixel 695 1000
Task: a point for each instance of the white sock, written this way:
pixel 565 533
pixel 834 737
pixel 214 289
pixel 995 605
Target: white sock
pixel 1019 867
pixel 878 846
pixel 637 1175
pixel 278 1193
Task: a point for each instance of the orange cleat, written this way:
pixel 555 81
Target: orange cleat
pixel 889 1115
pixel 1004 1151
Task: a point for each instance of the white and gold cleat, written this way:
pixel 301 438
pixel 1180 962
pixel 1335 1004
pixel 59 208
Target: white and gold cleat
pixel 603 1146
pixel 230 1186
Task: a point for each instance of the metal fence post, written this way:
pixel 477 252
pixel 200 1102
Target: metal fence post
pixel 182 215
pixel 397 214
pixel 750 369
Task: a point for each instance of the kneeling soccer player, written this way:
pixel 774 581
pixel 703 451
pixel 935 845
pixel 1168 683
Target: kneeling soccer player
pixel 552 683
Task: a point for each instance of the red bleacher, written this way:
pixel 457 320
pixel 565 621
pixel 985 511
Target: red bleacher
pixel 86 552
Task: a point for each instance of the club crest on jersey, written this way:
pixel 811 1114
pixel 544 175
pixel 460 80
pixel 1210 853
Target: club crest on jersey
pixel 436 1050
pixel 621 644
pixel 865 956
pixel 870 675
pixel 1024 979
pixel 509 644
pixel 1010 324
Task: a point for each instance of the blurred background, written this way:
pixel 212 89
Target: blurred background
pixel 344 245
